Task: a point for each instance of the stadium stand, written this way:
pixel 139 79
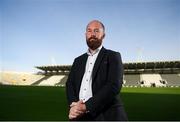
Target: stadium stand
pixel 18 78
pixel 141 74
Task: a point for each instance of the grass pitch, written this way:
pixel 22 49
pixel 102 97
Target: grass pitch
pixel 49 103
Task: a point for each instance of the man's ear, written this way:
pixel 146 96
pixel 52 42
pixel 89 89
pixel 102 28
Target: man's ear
pixel 103 35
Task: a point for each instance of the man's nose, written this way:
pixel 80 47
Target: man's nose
pixel 93 33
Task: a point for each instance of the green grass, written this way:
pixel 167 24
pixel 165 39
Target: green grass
pixel 49 103
pixel 32 103
pixel 152 103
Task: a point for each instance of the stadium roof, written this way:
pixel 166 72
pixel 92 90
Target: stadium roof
pixel 55 68
pixel 136 67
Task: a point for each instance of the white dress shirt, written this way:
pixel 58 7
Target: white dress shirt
pixel 86 85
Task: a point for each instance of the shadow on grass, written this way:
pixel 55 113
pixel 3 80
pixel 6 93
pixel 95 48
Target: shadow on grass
pixel 160 107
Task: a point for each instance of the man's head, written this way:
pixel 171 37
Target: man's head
pixel 95 32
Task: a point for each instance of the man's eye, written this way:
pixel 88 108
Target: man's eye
pixel 96 30
pixel 88 30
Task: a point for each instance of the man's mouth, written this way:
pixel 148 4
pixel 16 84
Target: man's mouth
pixel 92 39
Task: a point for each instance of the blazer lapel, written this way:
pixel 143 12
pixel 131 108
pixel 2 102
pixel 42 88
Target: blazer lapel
pixel 81 70
pixel 83 65
pixel 97 63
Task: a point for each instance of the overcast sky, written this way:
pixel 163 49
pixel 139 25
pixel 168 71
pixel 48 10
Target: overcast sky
pixel 49 32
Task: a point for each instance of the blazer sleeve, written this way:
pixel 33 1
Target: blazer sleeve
pixel 111 89
pixel 70 91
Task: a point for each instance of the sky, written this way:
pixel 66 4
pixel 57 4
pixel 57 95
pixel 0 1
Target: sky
pixel 52 32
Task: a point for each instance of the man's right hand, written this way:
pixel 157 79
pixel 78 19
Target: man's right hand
pixel 77 109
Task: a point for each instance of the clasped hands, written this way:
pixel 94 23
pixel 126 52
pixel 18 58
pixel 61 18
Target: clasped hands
pixel 77 109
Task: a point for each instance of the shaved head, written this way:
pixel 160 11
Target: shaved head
pixel 96 21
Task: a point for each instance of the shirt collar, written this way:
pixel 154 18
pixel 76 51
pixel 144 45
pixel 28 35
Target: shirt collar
pixel 95 51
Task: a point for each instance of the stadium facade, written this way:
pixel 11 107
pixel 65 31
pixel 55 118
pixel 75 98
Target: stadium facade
pixel 137 74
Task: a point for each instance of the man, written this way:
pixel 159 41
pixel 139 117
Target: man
pixel 95 80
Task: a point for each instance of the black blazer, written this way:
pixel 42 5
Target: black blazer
pixel 107 78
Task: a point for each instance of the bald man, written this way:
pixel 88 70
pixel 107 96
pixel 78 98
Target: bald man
pixel 95 80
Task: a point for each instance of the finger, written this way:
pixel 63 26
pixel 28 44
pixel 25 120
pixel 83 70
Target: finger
pixel 79 112
pixel 74 112
pixel 71 116
pixel 73 104
pixel 74 115
pixel 79 108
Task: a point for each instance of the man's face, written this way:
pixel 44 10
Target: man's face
pixel 94 35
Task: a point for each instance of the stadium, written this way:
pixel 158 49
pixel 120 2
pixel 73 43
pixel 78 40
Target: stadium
pixel 150 91
pixel 45 36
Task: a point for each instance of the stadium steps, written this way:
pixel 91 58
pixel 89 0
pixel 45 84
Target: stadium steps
pixel 132 80
pixel 62 81
pixel 40 80
pixel 172 79
pixel 52 80
pixel 150 79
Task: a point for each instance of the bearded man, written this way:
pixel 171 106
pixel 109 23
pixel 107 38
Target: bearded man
pixel 95 80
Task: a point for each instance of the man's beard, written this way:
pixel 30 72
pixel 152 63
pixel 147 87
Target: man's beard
pixel 93 42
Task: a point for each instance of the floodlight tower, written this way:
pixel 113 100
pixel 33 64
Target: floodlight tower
pixel 139 54
pixel 53 61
